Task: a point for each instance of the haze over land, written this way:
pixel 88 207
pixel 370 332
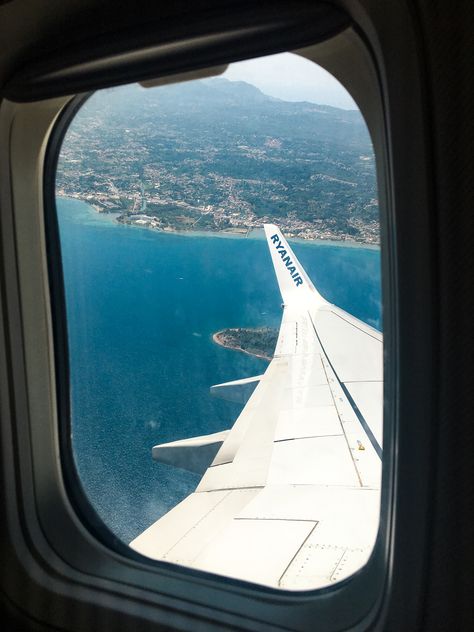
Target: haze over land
pixel 220 155
pixel 291 77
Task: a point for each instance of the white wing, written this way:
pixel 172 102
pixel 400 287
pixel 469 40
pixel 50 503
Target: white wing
pixel 290 495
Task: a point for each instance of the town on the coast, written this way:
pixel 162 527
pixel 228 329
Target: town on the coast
pixel 221 156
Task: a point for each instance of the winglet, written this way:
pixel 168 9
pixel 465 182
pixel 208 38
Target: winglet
pixel 293 281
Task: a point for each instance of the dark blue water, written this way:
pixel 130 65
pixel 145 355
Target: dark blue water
pixel 142 307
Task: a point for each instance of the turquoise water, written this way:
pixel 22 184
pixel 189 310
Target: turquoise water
pixel 141 308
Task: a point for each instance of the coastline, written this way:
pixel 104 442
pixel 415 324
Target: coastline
pixel 253 233
pixel 218 341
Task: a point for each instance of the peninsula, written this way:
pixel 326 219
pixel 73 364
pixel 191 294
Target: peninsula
pixel 259 342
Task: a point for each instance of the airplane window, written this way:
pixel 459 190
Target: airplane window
pixel 220 251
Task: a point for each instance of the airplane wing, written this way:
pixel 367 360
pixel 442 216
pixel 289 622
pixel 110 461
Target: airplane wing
pixel 289 496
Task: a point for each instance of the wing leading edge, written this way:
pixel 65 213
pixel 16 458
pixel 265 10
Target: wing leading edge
pixel 291 494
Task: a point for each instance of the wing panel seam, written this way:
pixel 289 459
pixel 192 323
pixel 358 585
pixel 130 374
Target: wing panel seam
pixel 350 399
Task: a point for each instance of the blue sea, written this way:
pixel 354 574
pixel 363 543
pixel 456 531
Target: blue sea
pixel 141 309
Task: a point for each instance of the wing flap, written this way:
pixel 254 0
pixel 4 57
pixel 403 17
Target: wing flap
pixel 194 454
pixel 163 534
pixel 260 548
pixel 238 391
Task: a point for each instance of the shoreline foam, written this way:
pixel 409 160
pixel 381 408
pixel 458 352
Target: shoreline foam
pixel 254 233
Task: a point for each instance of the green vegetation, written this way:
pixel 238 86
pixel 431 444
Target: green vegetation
pixel 259 342
pixel 221 155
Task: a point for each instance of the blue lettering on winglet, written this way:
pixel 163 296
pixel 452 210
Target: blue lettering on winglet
pixel 280 248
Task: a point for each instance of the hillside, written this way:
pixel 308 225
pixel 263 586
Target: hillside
pixel 222 155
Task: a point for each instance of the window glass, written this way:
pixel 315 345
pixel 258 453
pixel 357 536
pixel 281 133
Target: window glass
pixel 173 287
